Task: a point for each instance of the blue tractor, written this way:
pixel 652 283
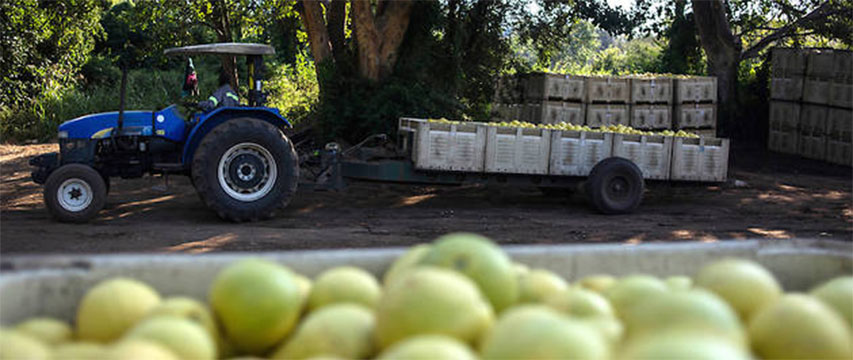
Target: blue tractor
pixel 238 158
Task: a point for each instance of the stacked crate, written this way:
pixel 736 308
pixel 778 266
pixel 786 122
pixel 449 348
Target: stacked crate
pixel 508 96
pixel 786 93
pixel 811 108
pixel 695 105
pixel 607 101
pixel 651 102
pixel 817 88
pixel 839 121
pixel 543 98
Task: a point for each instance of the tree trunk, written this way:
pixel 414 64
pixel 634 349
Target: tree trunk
pixel 318 34
pixel 222 27
pixel 454 35
pixel 367 38
pixel 336 19
pixel 723 50
pixel 379 35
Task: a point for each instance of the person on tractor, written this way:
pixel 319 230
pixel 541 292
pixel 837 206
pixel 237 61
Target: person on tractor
pixel 223 96
pixel 190 87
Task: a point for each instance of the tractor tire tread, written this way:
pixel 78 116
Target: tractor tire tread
pixel 206 160
pixel 595 183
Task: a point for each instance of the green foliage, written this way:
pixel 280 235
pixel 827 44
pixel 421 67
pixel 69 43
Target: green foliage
pixel 683 53
pixel 448 61
pixel 355 108
pixel 146 90
pixel 633 57
pixel 60 58
pixel 42 46
pixel 293 88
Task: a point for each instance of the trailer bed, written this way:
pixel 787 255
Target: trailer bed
pixel 470 149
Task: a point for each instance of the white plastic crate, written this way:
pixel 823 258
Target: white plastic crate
pixel 783 142
pixel 839 152
pixel 817 91
pixel 790 89
pixel 449 147
pixel 842 95
pixel 408 124
pixel 651 90
pixel 608 89
pixel 517 150
pixel 784 116
pixel 53 286
pixel 554 112
pixel 648 117
pixel 788 62
pixel 499 112
pixel 598 115
pixel 821 63
pixel 702 159
pixel 812 147
pixel 651 153
pixel 515 111
pixel 507 90
pixel 574 88
pixel 575 153
pixel 544 86
pixel 843 66
pixel 813 120
pixel 695 89
pixel 692 116
pixel 839 125
pixel 811 142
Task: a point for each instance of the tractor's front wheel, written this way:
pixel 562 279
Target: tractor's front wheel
pixel 245 169
pixel 74 193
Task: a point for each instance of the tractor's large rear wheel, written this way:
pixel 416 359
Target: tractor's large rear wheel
pixel 245 169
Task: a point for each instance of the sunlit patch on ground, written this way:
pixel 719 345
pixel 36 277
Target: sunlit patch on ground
pixel 203 246
pixel 636 239
pixel 683 234
pixel 412 200
pixel 777 234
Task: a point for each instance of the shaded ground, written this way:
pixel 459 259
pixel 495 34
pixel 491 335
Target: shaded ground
pixel 785 197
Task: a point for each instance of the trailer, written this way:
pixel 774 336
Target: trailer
pixel 612 169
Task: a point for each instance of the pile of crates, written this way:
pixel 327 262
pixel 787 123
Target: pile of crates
pixel 481 148
pixel 696 105
pixel 541 98
pixel 811 106
pixel 651 102
pixel 646 102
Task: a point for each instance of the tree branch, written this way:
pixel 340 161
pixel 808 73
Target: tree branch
pixel 821 12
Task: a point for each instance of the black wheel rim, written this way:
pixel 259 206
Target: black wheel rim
pixel 618 188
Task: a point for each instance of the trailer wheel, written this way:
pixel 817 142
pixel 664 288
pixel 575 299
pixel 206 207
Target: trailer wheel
pixel 245 169
pixel 615 186
pixel 74 193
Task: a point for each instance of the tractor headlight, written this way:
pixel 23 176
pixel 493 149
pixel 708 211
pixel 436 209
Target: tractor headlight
pixel 63 134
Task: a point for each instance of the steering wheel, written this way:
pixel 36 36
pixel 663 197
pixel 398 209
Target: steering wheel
pixel 191 105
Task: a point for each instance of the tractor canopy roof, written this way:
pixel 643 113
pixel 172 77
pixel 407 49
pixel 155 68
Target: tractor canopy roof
pixel 222 49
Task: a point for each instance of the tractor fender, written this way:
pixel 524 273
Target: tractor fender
pixel 208 121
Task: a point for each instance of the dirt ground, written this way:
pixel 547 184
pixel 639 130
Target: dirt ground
pixel 784 197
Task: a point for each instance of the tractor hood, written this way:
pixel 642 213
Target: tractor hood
pixel 100 125
pixel 166 123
